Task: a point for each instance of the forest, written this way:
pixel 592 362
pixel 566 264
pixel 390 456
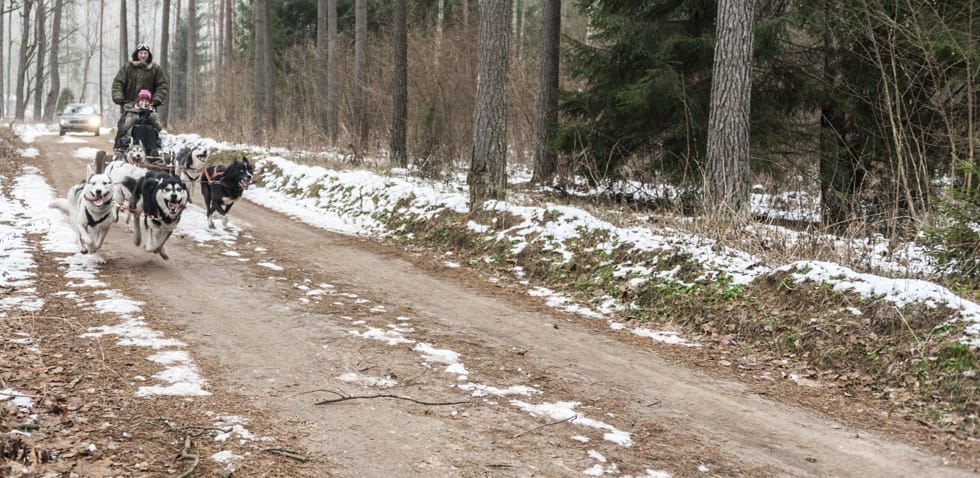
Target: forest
pixel 869 105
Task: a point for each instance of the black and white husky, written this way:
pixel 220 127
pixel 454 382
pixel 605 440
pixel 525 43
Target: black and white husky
pixel 190 167
pixel 122 173
pixel 136 153
pixel 222 185
pixel 160 198
pixel 90 210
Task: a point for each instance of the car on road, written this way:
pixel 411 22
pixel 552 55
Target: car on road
pixel 79 117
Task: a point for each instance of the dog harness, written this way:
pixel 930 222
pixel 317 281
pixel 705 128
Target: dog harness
pixel 213 178
pixel 161 220
pixel 92 222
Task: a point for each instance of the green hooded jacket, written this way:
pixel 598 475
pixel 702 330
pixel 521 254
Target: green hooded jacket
pixel 135 76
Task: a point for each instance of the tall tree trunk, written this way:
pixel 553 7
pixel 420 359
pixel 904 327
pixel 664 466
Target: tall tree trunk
pixel 176 80
pixel 545 158
pixel 229 31
pixel 726 184
pixel 837 172
pixel 258 84
pixel 164 59
pixel 399 87
pixel 487 177
pixel 42 45
pixel 3 75
pixel 268 75
pixel 220 52
pixel 265 114
pixel 440 21
pixel 519 27
pixel 101 56
pixel 10 49
pixel 466 13
pixel 90 51
pixel 20 98
pixel 136 22
pixel 360 73
pixel 332 86
pixel 124 48
pixel 320 68
pixel 52 101
pixel 214 36
pixel 193 27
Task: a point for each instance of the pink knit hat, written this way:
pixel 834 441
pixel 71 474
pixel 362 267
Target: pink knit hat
pixel 144 94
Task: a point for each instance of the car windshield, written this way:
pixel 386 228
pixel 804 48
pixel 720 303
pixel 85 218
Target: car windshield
pixel 79 110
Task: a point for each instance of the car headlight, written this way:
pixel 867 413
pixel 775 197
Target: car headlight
pixel 62 122
pixel 94 121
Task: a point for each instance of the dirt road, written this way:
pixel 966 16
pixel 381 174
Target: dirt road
pixel 278 341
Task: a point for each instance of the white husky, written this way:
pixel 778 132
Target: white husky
pixel 90 210
pixel 119 171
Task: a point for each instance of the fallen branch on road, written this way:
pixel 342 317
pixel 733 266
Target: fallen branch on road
pixel 286 453
pixel 525 432
pixel 344 398
pixel 186 454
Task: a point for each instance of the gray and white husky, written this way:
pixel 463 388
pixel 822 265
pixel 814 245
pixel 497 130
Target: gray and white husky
pixel 160 198
pixel 90 209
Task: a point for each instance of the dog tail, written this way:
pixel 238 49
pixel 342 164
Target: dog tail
pixel 60 204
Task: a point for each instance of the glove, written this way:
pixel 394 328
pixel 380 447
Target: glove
pixel 144 114
pixel 118 101
pixel 156 103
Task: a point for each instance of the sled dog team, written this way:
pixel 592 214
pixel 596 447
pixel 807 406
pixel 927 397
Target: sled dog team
pixel 150 201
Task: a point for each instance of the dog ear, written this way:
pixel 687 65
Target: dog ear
pixel 89 172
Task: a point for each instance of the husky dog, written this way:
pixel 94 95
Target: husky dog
pixel 190 167
pixel 136 153
pixel 90 210
pixel 119 171
pixel 161 198
pixel 221 186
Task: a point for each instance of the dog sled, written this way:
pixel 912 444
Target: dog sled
pixel 153 156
